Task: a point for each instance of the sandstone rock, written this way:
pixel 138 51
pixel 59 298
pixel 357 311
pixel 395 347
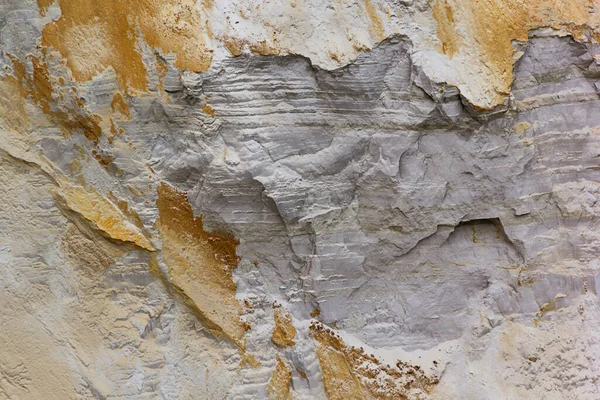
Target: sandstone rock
pixel 279 385
pixel 284 331
pixel 299 199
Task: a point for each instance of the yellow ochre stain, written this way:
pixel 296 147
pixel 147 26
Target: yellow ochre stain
pixel 488 28
pixel 284 332
pixel 444 16
pixel 279 384
pixel 72 117
pixel 200 264
pixel 118 104
pixel 102 214
pixel 92 36
pixel 207 109
pixel 376 23
pixel 347 375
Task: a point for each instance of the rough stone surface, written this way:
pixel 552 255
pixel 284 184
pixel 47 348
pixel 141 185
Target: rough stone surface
pixel 301 199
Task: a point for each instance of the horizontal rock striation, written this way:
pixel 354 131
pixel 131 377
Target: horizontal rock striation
pixel 308 200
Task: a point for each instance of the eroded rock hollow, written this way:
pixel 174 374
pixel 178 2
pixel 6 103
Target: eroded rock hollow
pixel 299 199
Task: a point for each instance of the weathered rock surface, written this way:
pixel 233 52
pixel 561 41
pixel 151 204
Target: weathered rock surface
pixel 299 200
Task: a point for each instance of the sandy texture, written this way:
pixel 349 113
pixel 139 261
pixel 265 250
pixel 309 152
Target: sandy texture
pixel 302 199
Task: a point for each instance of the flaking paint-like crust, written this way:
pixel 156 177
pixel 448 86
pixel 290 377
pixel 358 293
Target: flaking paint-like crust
pixel 200 264
pixel 93 36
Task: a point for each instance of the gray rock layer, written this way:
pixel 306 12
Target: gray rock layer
pixel 421 229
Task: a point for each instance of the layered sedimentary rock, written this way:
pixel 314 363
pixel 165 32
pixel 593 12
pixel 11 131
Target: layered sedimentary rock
pixel 298 200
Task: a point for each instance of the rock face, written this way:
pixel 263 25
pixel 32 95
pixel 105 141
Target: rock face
pixel 298 199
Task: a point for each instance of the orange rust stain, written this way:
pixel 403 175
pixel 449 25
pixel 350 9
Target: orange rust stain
pixel 162 68
pixel 43 6
pixel 315 313
pixel 119 105
pixel 200 264
pixel 113 131
pixel 249 360
pixel 235 46
pixel 41 86
pixel 131 214
pixel 76 171
pixel 207 6
pixel 302 374
pixel 94 35
pixel 89 125
pixel 340 381
pixel 335 56
pixel 444 16
pixel 103 159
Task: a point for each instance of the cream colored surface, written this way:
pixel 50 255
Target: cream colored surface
pixel 300 199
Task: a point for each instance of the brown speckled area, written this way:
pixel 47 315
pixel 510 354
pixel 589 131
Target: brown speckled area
pixel 350 373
